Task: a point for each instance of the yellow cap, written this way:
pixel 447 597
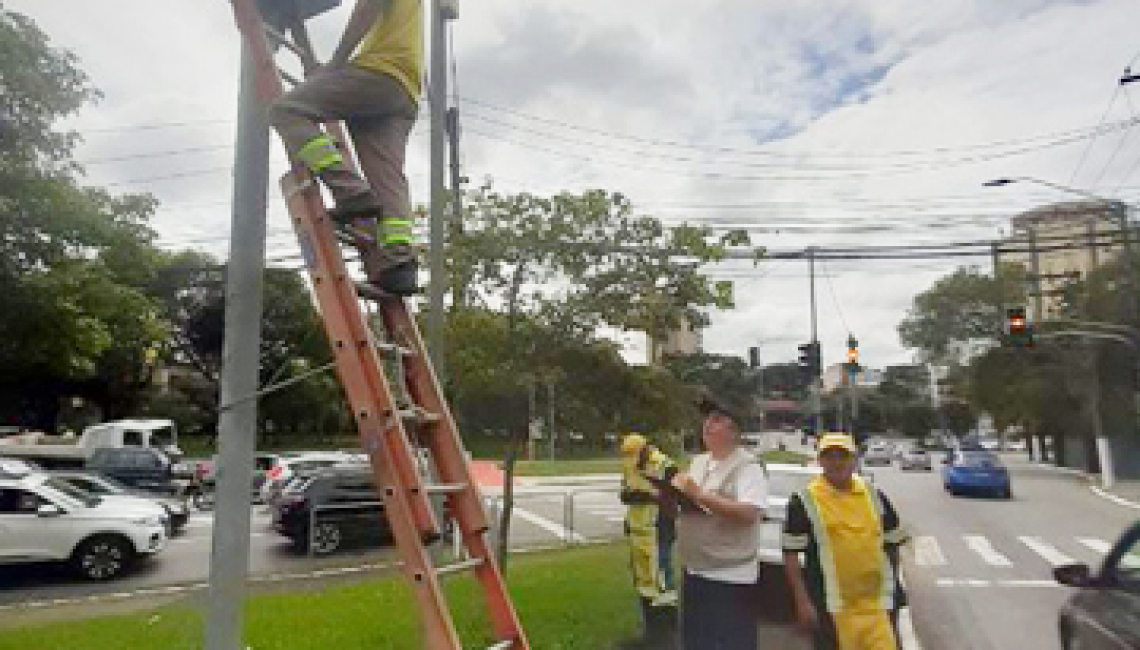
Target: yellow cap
pixel 633 443
pixel 837 441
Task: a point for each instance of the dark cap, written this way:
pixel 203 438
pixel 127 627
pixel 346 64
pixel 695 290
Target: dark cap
pixel 709 404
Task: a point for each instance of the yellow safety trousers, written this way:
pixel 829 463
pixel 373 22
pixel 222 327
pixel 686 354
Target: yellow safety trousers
pixel 642 523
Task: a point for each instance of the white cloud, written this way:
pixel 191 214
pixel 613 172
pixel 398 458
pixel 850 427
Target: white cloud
pixel 832 86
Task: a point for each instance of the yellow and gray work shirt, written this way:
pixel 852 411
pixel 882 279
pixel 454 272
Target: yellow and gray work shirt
pixel 850 541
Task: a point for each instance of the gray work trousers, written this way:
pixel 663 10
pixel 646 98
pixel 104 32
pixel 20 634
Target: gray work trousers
pixel 379 115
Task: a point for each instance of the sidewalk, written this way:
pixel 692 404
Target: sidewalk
pixel 1125 492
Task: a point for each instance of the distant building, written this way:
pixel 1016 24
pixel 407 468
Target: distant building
pixel 1071 239
pixel 681 341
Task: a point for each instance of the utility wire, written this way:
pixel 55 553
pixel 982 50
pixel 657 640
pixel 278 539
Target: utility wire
pixel 834 299
pixel 1119 143
pixel 1103 117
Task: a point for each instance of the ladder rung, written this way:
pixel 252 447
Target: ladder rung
pixel 392 348
pixel 445 488
pixel 460 566
pixel 421 415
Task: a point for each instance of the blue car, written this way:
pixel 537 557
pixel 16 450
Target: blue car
pixel 975 472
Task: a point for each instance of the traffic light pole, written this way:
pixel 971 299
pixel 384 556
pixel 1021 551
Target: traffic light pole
pixel 817 419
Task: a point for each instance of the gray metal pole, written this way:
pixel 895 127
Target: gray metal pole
pixel 816 388
pixel 1035 269
pixel 237 424
pixel 437 103
pixel 457 290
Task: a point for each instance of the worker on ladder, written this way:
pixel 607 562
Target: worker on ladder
pixel 643 466
pixel 376 93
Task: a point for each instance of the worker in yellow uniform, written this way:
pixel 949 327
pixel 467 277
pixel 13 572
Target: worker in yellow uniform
pixel 642 465
pixel 373 83
pixel 847 591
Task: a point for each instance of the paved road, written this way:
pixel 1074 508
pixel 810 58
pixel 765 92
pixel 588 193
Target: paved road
pixel 979 570
pixel 540 521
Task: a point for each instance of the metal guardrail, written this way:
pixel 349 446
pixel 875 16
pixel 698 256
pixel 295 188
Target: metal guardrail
pixel 568 523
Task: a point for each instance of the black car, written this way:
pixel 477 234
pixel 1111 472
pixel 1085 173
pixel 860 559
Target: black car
pixel 1105 612
pixel 342 505
pixel 143 468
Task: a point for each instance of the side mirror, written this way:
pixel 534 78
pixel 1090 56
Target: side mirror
pixel 49 510
pixel 1074 575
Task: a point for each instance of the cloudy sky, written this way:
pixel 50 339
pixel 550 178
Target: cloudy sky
pixel 810 122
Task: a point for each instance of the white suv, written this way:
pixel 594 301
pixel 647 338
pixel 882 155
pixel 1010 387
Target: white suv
pixel 44 519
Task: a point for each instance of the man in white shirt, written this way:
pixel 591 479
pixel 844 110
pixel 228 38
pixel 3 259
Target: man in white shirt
pixel 717 536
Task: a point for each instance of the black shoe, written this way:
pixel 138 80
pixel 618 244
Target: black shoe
pixel 395 281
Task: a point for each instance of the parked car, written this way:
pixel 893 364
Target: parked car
pixel 1102 613
pixel 144 468
pixel 774 598
pixel 915 458
pixel 877 454
pixel 342 504
pixel 975 471
pixel 177 510
pixel 45 519
pixel 300 464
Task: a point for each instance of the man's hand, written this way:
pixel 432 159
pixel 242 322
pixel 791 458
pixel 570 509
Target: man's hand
pixel 686 485
pixel 807 619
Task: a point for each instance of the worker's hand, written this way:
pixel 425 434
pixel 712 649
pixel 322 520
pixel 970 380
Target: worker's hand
pixel 685 483
pixel 807 619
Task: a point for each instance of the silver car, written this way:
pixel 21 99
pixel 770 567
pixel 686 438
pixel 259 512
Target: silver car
pixel 915 458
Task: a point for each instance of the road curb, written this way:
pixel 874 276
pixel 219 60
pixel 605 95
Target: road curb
pixel 1104 494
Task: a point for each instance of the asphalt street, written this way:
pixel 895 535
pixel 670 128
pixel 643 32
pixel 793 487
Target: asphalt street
pixel 979 570
pixel 541 519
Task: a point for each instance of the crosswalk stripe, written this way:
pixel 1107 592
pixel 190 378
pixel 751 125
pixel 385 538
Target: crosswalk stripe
pixel 1097 545
pixel 982 547
pixel 1046 550
pixel 927 552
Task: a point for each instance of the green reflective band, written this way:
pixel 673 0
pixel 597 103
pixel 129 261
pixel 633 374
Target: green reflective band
pixel 397 230
pixel 319 154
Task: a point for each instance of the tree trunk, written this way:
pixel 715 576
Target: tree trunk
pixel 508 503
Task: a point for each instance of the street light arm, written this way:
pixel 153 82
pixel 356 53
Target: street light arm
pixel 1111 203
pixel 1119 338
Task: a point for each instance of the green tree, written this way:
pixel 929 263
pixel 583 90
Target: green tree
pixel 71 257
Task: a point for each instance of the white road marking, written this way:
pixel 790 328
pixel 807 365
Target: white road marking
pixel 927 552
pixel 1046 550
pixel 1113 498
pixel 1028 583
pixel 556 529
pixel 1097 545
pixel 615 519
pixel 962 582
pixel 906 631
pixel 982 547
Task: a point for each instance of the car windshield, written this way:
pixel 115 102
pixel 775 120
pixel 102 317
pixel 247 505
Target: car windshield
pixel 975 459
pixel 73 493
pixel 162 437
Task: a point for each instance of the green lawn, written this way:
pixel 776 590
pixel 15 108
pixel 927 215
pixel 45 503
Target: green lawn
pixel 579 599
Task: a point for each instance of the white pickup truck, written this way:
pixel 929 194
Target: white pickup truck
pixel 63 452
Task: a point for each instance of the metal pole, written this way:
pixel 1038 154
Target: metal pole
pixel 1103 449
pixel 437 103
pixel 1035 269
pixel 457 288
pixel 237 426
pixel 995 255
pixel 550 414
pixel 816 389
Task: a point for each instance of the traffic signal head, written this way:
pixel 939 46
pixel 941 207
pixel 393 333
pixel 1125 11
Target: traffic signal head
pixel 810 359
pixel 1018 331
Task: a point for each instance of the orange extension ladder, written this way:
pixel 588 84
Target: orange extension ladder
pixel 390 429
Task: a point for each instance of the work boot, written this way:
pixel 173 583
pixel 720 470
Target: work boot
pixel 391 269
pixel 660 627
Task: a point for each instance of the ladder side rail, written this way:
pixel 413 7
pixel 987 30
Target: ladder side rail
pixel 451 463
pixel 358 364
pixel 383 438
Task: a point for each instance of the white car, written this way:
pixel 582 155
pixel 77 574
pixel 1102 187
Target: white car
pixel 44 519
pixel 783 481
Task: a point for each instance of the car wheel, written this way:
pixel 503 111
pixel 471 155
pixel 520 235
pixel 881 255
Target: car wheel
pixel 326 538
pixel 103 557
